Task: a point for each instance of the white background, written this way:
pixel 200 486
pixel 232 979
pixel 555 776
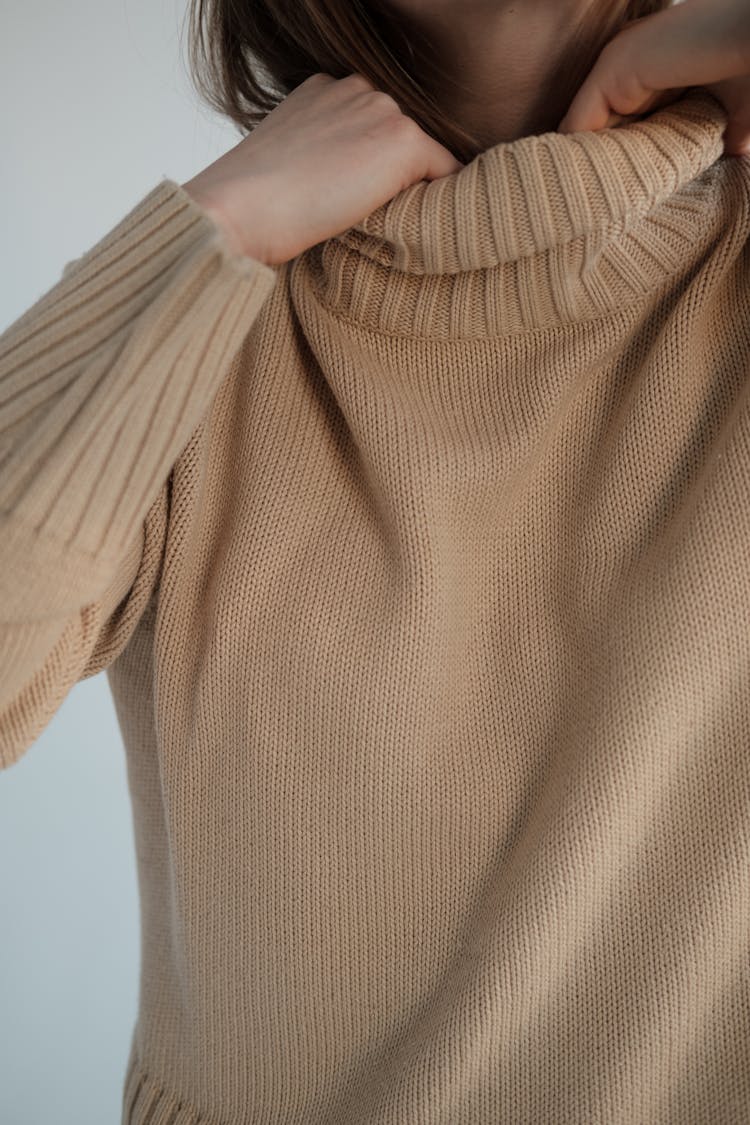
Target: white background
pixel 96 107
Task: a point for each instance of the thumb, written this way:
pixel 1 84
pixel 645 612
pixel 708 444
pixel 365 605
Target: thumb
pixel 591 110
pixel 611 90
pixel 680 47
pixel 734 95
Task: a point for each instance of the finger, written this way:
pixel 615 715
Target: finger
pixel 737 139
pixel 673 49
pixel 612 89
pixel 687 45
pixel 734 96
pixel 588 110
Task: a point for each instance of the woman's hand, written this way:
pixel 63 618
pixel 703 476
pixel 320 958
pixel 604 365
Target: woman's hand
pixel 330 153
pixel 653 60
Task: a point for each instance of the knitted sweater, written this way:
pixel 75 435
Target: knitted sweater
pixel 420 570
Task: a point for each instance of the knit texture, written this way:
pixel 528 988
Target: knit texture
pixel 420 570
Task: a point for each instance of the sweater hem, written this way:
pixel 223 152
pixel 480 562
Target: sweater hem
pixel 147 1101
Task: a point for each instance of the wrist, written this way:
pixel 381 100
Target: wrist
pixel 232 238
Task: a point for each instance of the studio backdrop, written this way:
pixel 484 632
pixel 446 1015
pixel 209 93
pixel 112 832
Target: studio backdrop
pixel 96 107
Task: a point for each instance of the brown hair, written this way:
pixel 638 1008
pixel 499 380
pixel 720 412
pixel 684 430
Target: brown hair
pixel 246 56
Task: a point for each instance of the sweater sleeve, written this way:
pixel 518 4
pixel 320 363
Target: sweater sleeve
pixel 102 382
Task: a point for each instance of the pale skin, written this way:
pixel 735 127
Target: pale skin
pixel 505 50
pixel 335 149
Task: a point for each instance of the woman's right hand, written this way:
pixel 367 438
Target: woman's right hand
pixel 330 153
pixel 652 61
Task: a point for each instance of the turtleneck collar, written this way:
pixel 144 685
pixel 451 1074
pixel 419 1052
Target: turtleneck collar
pixel 545 229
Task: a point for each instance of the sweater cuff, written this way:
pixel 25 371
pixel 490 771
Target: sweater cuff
pixel 102 382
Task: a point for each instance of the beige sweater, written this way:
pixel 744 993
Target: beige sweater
pixel 420 569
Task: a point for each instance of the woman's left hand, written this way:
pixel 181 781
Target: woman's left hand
pixel 653 60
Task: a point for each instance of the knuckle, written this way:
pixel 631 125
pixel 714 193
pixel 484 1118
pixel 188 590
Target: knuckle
pixel 358 81
pixel 385 102
pixel 406 126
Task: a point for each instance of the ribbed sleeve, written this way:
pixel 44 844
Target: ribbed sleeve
pixel 102 381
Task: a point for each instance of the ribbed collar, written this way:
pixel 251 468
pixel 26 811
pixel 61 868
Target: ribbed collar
pixel 542 230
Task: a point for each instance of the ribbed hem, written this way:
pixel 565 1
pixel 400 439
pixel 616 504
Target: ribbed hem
pixel 146 1102
pixel 102 382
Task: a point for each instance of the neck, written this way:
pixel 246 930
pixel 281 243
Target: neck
pixel 511 67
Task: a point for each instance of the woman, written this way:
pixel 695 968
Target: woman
pixel 395 468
